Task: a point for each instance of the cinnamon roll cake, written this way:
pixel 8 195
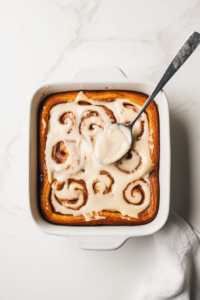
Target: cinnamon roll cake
pixel 75 189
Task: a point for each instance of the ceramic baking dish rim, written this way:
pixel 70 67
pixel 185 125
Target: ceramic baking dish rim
pixel 101 78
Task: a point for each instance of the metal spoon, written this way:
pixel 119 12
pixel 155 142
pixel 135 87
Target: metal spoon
pixel 182 55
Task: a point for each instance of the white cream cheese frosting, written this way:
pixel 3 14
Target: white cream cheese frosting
pixel 80 184
pixel 113 143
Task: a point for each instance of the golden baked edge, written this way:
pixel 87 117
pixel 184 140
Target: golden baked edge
pixel 112 218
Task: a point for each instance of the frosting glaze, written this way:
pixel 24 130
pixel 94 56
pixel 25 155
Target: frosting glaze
pixel 80 184
pixel 112 144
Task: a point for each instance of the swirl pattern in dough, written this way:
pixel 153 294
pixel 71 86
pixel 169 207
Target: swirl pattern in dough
pixel 130 163
pixel 94 122
pixel 104 183
pixel 68 119
pixel 65 155
pixel 136 192
pixel 128 114
pixel 76 190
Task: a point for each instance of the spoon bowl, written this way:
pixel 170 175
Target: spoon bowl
pixel 118 138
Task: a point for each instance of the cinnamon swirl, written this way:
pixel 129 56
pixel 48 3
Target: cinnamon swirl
pixel 75 189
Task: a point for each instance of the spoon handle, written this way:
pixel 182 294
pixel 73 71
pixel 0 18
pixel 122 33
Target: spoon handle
pixel 182 55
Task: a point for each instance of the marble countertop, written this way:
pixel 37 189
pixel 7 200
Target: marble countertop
pixel 46 40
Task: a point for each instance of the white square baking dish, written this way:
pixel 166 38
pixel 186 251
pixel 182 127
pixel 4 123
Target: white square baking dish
pixel 101 237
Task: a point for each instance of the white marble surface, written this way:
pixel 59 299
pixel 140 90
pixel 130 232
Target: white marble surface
pixel 44 40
